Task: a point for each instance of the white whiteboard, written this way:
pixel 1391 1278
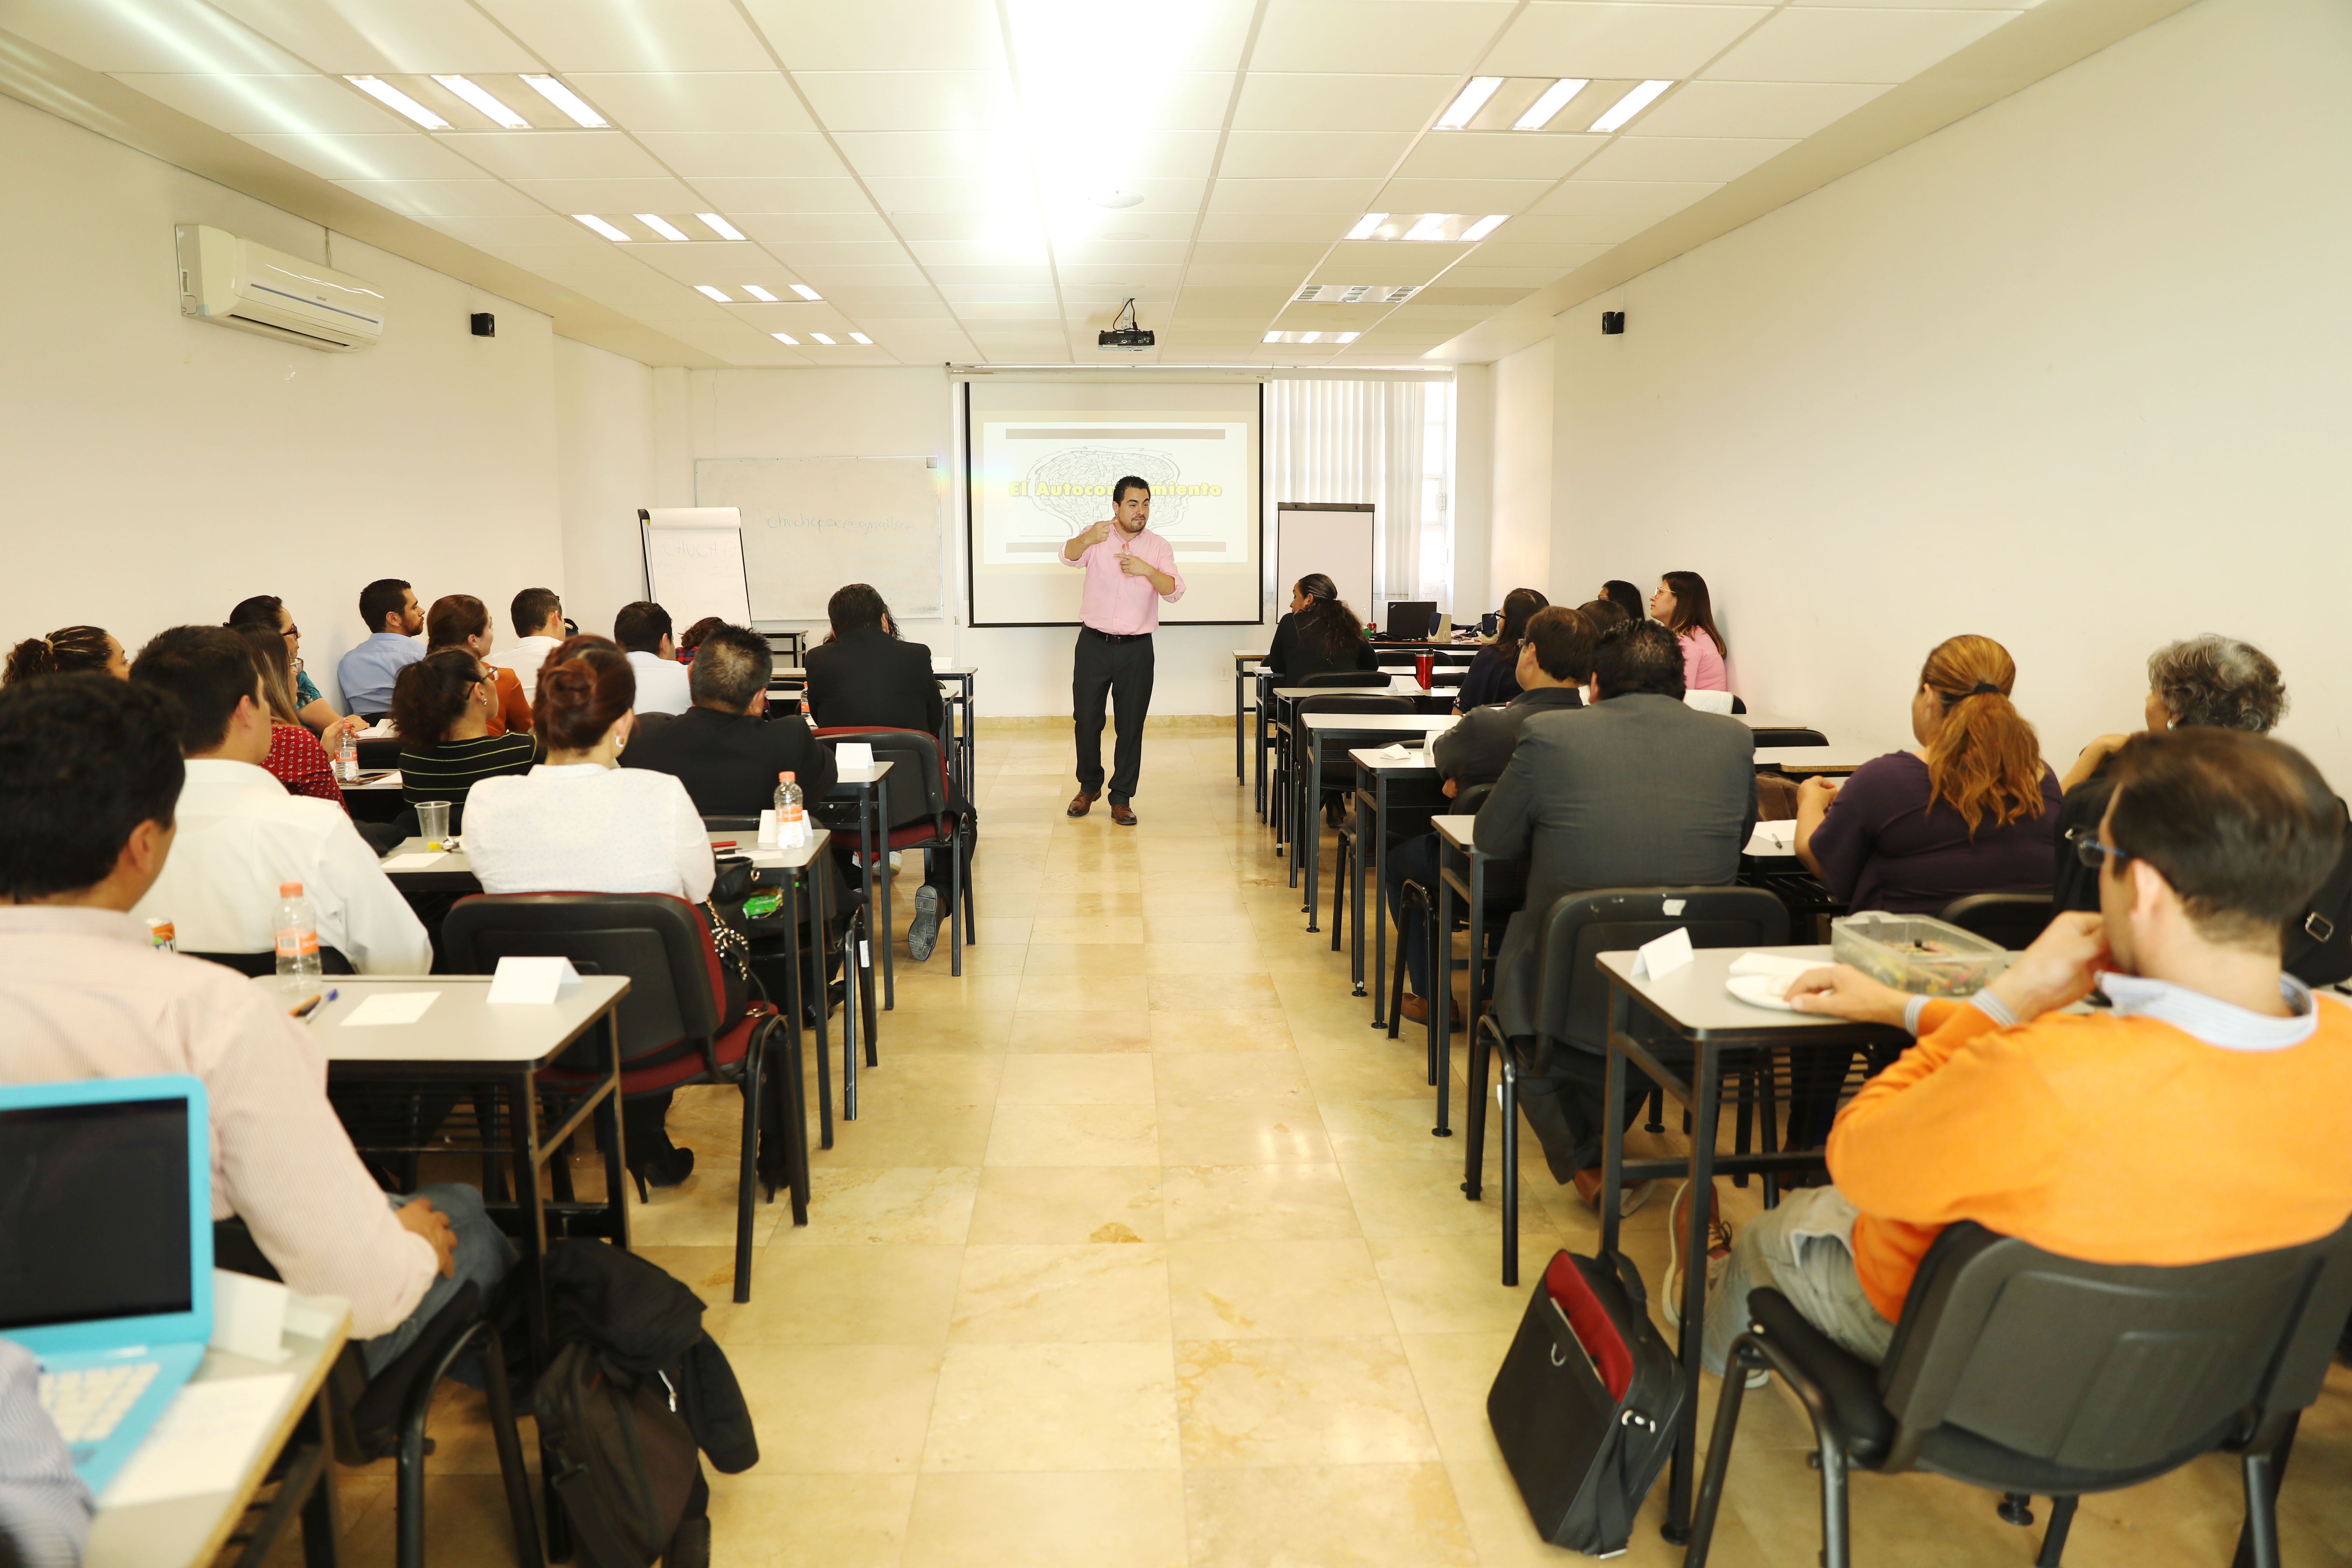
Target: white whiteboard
pixel 1335 541
pixel 694 563
pixel 811 524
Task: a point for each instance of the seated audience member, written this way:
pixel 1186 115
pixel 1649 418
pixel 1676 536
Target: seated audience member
pixel 1639 790
pixel 63 652
pixel 44 1508
pixel 1605 613
pixel 442 705
pixel 1492 677
pixel 1555 661
pixel 298 759
pixel 394 618
pixel 88 773
pixel 537 616
pixel 692 641
pixel 241 836
pixel 270 611
pixel 1625 596
pixel 643 631
pixel 725 749
pixel 580 823
pixel 1682 604
pixel 1971 810
pixel 865 676
pixel 2038 1123
pixel 1321 635
pixel 461 621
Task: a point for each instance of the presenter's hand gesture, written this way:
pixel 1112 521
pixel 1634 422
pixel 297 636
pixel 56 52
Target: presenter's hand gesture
pixel 1097 534
pixel 1135 565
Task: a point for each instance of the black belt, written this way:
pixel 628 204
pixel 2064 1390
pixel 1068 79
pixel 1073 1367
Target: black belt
pixel 1117 636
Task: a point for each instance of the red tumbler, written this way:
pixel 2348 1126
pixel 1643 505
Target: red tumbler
pixel 1421 665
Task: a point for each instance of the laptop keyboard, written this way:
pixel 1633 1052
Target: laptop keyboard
pixel 86 1401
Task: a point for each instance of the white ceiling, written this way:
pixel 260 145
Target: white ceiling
pixel 927 166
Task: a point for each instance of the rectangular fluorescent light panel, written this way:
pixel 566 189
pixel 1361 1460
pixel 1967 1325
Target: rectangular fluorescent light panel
pixel 1311 337
pixel 705 288
pixel 1468 102
pixel 1271 338
pixel 399 102
pixel 1356 293
pixel 757 292
pixel 1430 226
pixel 1367 226
pixel 861 338
pixel 1399 296
pixel 805 292
pixel 564 99
pixel 720 226
pixel 1632 104
pixel 1347 337
pixel 1486 226
pixel 475 94
pixel 1312 291
pixel 1555 98
pixel 786 338
pixel 662 226
pixel 823 339
pixel 601 227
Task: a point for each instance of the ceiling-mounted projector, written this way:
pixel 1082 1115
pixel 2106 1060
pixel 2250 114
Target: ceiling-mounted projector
pixel 1128 339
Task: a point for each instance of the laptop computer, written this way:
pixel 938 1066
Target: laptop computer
pixel 106 1252
pixel 1410 619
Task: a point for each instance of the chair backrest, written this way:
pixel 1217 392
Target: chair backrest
pixel 1572 999
pixel 2114 1369
pixel 1347 678
pixel 1772 737
pixel 657 941
pixel 917 754
pixel 1352 705
pixel 1467 803
pixel 330 961
pixel 2012 919
pixel 1708 701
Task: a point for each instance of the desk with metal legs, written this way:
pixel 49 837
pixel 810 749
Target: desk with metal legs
pixel 1381 784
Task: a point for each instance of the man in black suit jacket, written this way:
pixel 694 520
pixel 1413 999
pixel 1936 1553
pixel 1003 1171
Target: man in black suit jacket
pixel 1638 789
pixel 866 677
pixel 724 748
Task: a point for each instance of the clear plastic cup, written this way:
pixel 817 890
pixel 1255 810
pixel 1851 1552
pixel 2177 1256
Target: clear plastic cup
pixel 433 822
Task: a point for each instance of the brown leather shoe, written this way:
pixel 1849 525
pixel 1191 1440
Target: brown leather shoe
pixel 1121 814
pixel 1081 802
pixel 1414 1009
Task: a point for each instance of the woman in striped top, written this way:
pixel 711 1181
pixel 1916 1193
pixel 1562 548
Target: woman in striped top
pixel 298 759
pixel 442 706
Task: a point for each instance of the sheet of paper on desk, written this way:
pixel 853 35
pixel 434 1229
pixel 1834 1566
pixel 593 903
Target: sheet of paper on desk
pixel 1394 752
pixel 391 1007
pixel 205 1440
pixel 414 860
pixel 1774 838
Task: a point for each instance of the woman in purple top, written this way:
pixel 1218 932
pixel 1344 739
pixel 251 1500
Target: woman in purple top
pixel 1973 810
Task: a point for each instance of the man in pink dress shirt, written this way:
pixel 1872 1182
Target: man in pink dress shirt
pixel 1130 569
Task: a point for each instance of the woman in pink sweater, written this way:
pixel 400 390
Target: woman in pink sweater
pixel 1681 602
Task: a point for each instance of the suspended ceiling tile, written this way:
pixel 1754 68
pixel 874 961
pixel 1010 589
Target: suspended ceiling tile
pixel 1250 227
pixel 445 199
pixel 907 306
pixel 1386 264
pixel 1622 197
pixel 176 36
pixel 366 37
pixel 298 105
pixel 1007 197
pixel 977 311
pixel 960 154
pixel 841 281
pixel 1135 227
pixel 713 261
pixel 1602 229
pixel 811 195
pixel 912 100
pixel 990 273
pixel 749 100
pixel 595 255
pixel 701 154
pixel 1464 295
pixel 1159 197
pixel 882 34
pixel 396 155
pixel 1584 39
pixel 1292 196
pixel 543 229
pixel 1556 258
pixel 1680 158
pixel 1320 154
pixel 972 227
pixel 614 200
pixel 1073 257
pixel 1498 155
pixel 840 253
pixel 631 35
pixel 1467 196
pixel 1286 101
pixel 1138 279
pixel 1376 36
pixel 1117 156
pixel 1213 276
pixel 554 156
pixel 778 230
pixel 1811 44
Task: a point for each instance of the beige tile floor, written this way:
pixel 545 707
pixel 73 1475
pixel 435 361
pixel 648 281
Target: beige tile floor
pixel 1141 1253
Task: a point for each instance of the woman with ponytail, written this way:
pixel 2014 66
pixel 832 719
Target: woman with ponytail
pixel 1320 636
pixel 1493 674
pixel 65 651
pixel 1973 809
pixel 446 706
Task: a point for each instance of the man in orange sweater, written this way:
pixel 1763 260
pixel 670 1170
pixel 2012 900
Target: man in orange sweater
pixel 2076 1131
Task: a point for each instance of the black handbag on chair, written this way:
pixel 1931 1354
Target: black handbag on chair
pixel 1585 1404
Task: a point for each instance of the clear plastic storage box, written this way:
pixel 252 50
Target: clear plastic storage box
pixel 1916 953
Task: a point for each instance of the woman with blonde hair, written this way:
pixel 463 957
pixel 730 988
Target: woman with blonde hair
pixel 1971 809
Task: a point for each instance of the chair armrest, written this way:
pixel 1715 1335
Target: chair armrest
pixel 1848 1386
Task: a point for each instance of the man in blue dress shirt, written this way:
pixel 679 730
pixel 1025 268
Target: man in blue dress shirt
pixel 389 606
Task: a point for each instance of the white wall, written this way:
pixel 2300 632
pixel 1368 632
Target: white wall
pixel 1474 490
pixel 1519 537
pixel 605 472
pixel 2075 373
pixel 159 468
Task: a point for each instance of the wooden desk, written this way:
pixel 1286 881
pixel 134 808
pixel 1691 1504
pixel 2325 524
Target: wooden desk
pixel 1368 728
pixel 1380 784
pixel 189 1532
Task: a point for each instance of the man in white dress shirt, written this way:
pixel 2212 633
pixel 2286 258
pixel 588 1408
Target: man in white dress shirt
pixel 242 837
pixel 643 630
pixel 538 618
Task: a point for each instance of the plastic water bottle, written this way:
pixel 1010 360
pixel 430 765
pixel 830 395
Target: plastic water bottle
pixel 347 758
pixel 792 816
pixel 297 935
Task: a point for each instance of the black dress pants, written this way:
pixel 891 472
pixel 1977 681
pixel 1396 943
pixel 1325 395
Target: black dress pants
pixel 1119 669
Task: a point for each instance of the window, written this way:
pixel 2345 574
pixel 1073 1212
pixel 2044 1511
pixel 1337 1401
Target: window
pixel 1390 443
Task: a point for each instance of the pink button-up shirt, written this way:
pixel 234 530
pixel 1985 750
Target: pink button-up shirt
pixel 1114 601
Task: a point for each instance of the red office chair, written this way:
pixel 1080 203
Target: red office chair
pixel 934 825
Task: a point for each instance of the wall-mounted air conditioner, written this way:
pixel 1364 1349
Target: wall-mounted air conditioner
pixel 239 283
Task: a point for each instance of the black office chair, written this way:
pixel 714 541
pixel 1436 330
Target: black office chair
pixel 668 1021
pixel 254 965
pixel 1772 737
pixel 1348 678
pixel 845 942
pixel 1303 831
pixel 2021 1371
pixel 1507 890
pixel 928 817
pixel 1570 999
pixel 2012 919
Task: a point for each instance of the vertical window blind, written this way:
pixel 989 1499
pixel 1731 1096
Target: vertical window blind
pixel 1390 443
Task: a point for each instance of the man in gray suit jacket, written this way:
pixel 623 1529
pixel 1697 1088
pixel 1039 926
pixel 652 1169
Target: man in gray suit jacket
pixel 1638 789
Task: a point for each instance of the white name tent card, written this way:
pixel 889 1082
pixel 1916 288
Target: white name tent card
pixel 249 1316
pixel 854 754
pixel 532 981
pixel 1663 956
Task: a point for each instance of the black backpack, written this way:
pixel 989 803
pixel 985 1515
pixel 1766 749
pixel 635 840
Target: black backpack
pixel 623 1461
pixel 1585 1404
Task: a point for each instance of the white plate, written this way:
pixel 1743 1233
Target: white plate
pixel 1761 990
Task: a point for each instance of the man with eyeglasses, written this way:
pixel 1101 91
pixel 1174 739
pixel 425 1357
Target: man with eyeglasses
pixel 2081 1132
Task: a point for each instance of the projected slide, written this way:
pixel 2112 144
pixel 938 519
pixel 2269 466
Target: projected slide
pixel 1042 471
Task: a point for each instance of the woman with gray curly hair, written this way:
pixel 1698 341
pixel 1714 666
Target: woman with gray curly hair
pixel 2212 682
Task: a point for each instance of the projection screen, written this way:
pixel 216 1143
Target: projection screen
pixel 1040 458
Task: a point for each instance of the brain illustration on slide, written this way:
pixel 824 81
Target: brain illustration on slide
pixel 1046 477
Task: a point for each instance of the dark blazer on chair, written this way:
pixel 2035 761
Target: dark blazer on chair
pixel 1478 748
pixel 1639 790
pixel 870 677
pixel 729 762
